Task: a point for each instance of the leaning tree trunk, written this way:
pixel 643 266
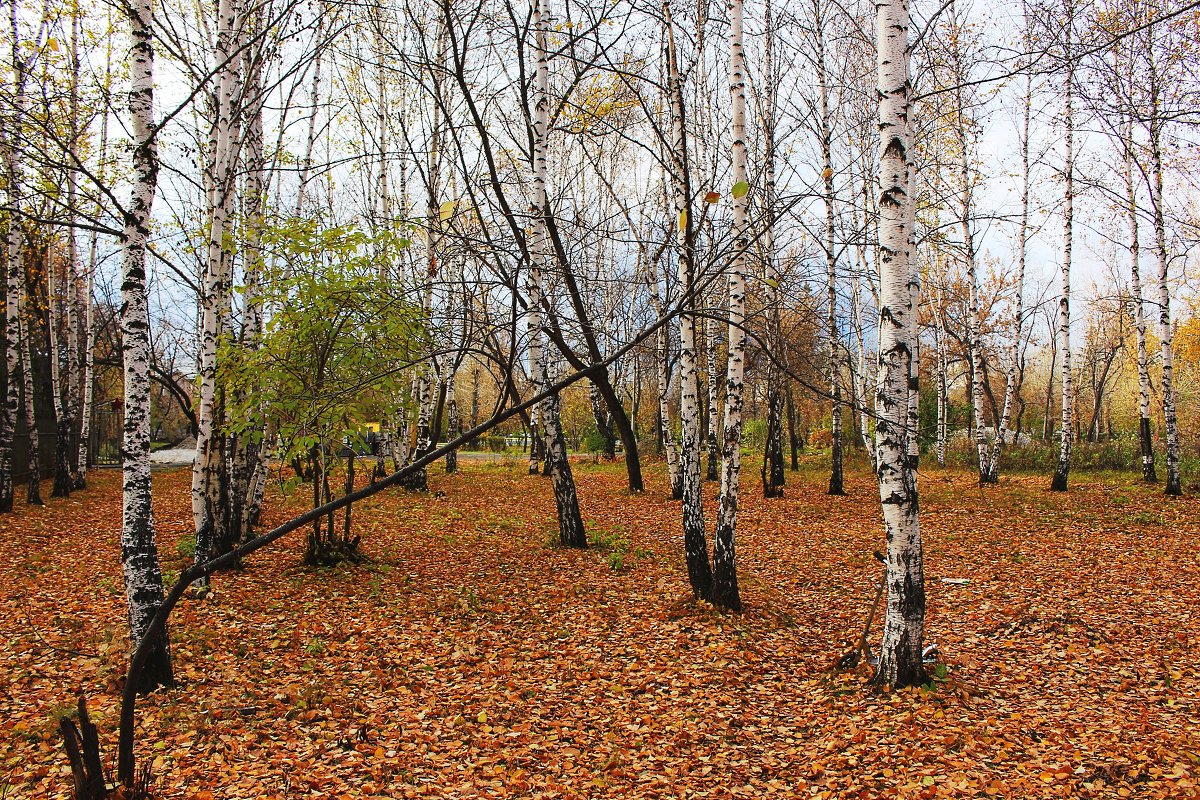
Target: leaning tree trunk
pixel 900 657
pixel 1059 483
pixel 725 584
pixel 139 553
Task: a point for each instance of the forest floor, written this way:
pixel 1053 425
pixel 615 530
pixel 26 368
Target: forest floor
pixel 473 658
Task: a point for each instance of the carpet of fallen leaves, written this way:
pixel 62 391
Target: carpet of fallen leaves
pixel 472 658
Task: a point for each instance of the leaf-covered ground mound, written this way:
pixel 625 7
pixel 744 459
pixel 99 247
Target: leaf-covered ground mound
pixel 473 658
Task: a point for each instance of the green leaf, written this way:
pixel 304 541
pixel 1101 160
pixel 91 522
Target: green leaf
pixel 740 190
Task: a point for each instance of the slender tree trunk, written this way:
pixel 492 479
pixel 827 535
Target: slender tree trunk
pixel 793 431
pixel 772 469
pixel 1059 483
pixel 311 139
pixel 712 440
pixel 86 304
pixel 246 447
pixel 34 455
pixel 1145 438
pixel 836 482
pixel 452 423
pixel 139 553
pixel 725 584
pixel 900 657
pixel 208 466
pixel 939 343
pixel 14 272
pixel 1011 384
pixel 571 532
pixel 1174 485
pixel 68 359
pixel 663 375
pixel 695 536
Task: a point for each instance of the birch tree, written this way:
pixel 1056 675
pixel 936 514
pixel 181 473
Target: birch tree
pixel 1061 470
pixel 725 585
pixel 900 658
pixel 13 272
pixel 695 535
pixel 139 552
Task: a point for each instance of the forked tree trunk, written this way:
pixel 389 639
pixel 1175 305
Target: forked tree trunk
pixel 900 657
pixel 139 552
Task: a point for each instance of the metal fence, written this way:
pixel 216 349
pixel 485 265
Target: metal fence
pixel 104 445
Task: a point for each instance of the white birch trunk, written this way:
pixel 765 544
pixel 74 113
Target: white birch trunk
pixel 695 537
pixel 216 290
pixel 1166 334
pixel 836 480
pixel 571 532
pixel 713 440
pixel 772 469
pixel 1014 354
pixel 1139 314
pixel 1061 471
pixel 14 273
pixel 139 552
pixel 33 455
pixel 725 585
pixel 900 662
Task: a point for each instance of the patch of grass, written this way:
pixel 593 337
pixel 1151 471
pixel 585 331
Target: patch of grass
pixel 1144 518
pixel 186 546
pixel 614 544
pixel 315 647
